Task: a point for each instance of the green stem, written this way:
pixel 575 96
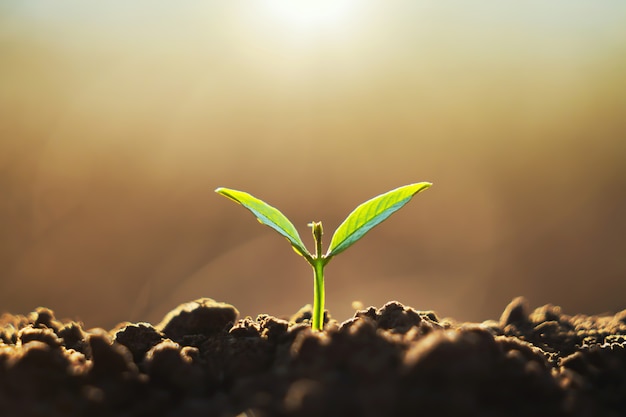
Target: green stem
pixel 318 269
pixel 318 295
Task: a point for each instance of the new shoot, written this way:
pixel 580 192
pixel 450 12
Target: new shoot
pixel 353 228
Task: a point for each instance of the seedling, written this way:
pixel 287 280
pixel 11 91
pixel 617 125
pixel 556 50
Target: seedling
pixel 353 228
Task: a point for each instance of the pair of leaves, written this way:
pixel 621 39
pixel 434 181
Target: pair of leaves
pixel 354 227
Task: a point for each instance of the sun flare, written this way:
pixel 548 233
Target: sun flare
pixel 311 15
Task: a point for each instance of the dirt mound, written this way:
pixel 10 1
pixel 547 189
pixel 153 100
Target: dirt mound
pixel 201 360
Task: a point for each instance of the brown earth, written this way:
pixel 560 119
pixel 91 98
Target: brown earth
pixel 201 360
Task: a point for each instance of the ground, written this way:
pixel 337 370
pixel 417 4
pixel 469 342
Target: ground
pixel 203 360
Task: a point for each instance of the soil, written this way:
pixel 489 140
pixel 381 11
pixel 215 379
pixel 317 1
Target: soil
pixel 202 360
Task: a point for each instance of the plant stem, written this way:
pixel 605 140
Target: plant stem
pixel 318 269
pixel 318 295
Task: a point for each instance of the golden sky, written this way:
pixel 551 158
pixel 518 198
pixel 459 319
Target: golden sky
pixel 118 120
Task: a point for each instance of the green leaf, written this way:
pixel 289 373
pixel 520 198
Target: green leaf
pixel 369 214
pixel 269 216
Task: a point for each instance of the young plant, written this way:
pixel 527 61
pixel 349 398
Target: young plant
pixel 353 228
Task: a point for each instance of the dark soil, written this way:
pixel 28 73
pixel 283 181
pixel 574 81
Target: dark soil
pixel 201 360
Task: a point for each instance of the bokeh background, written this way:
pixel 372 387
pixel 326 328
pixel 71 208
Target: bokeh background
pixel 119 119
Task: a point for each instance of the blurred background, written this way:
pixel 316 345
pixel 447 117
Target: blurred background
pixel 119 119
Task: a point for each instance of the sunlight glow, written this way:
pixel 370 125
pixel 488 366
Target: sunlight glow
pixel 311 15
